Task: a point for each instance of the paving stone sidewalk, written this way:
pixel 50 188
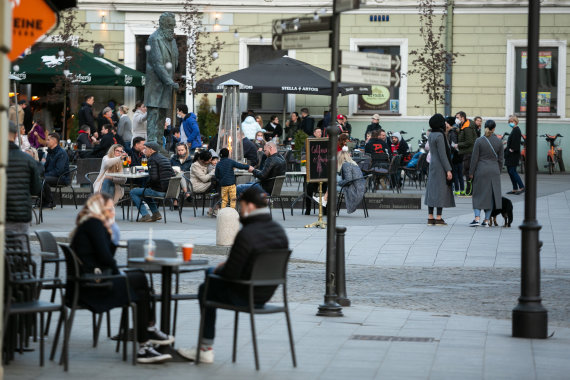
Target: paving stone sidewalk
pixel 367 343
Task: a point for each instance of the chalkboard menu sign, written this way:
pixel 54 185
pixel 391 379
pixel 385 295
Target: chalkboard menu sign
pixel 317 159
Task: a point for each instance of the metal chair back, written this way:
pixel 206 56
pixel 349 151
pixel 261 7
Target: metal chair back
pixel 47 242
pixel 173 190
pixel 270 267
pixel 164 248
pixel 91 177
pixel 278 185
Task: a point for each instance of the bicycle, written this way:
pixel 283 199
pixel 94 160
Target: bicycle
pixel 554 155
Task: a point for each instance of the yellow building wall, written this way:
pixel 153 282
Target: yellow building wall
pixel 479 75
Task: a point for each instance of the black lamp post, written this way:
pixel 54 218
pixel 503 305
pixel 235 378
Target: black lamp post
pixel 331 308
pixel 530 318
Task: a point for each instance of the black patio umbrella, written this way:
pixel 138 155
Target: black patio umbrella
pixel 283 75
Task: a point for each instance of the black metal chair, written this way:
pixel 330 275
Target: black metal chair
pixel 394 174
pixel 172 192
pixel 36 203
pixel 341 195
pixel 75 284
pixel 164 248
pixel 22 298
pixel 269 268
pixel 62 184
pixel 195 197
pixel 91 177
pixel 49 255
pixel 415 174
pixel 276 192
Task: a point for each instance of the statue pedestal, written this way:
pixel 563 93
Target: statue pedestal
pixel 227 226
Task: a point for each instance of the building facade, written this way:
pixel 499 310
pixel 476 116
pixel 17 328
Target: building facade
pixel 488 78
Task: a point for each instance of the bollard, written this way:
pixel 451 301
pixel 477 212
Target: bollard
pixel 227 226
pixel 341 299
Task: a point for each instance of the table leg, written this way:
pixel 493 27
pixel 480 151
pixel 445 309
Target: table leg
pixel 300 198
pixel 131 199
pixel 165 314
pixel 165 299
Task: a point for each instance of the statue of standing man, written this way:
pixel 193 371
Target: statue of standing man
pixel 161 63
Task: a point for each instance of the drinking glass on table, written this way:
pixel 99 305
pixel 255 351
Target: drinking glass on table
pixel 144 162
pixel 187 250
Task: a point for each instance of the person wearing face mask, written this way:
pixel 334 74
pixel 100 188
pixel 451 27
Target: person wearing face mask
pixel 465 142
pixel 513 155
pixel 189 131
pixel 259 141
pixel 259 233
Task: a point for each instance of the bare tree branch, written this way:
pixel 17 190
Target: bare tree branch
pixel 431 61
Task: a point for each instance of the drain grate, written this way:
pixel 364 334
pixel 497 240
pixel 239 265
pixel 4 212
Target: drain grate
pixel 387 338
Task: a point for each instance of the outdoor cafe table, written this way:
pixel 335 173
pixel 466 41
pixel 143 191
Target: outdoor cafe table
pixel 167 265
pixel 128 176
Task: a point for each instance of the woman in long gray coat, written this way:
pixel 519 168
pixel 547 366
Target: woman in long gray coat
pixel 486 164
pixel 438 189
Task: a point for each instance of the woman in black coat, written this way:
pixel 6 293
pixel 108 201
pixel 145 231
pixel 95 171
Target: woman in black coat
pixel 92 243
pixel 513 155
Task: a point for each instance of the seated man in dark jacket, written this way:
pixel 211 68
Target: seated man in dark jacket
pixel 107 140
pixel 249 150
pixel 22 181
pixel 273 166
pixel 159 174
pixel 56 164
pixel 259 233
pixel 377 145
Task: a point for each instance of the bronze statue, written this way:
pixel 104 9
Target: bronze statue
pixel 161 63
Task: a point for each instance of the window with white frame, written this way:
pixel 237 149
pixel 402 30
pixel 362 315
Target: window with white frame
pixel 551 78
pixel 385 100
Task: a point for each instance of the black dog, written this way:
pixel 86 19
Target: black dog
pixel 506 211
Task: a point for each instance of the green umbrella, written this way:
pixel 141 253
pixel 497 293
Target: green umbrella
pixel 79 66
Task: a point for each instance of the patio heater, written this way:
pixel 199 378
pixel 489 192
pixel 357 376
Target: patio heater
pixel 229 132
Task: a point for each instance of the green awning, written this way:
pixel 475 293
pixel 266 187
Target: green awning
pixel 80 66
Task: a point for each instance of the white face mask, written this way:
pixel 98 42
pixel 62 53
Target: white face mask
pixel 457 121
pixel 259 138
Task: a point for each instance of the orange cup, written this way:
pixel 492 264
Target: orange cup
pixel 187 250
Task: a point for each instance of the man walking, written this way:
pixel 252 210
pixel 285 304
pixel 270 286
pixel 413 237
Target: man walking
pixel 56 165
pixel 159 174
pixel 22 181
pixel 189 130
pixel 259 233
pixel 465 142
pixel 161 63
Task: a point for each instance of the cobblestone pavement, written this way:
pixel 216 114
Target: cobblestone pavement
pixel 490 293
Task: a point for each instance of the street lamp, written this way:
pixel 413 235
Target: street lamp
pixel 530 318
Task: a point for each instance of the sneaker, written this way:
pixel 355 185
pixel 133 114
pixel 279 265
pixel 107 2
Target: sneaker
pixel 156 216
pixel 520 191
pixel 485 224
pixel 474 223
pixel 457 193
pixel 440 222
pixel 155 336
pixel 512 192
pixel 147 354
pixel 462 193
pixel 206 354
pixel 145 219
pixel 431 221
